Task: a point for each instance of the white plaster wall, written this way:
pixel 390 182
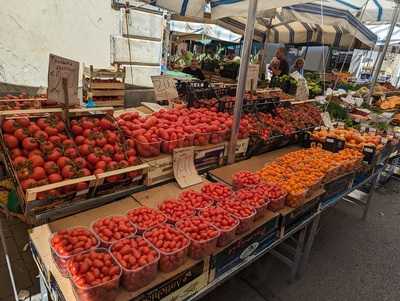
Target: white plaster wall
pixel 31 29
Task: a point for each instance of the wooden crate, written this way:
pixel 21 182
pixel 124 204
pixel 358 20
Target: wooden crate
pixel 30 198
pixel 106 86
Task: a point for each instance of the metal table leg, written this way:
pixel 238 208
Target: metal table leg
pixel 309 244
pixel 369 197
pixel 298 255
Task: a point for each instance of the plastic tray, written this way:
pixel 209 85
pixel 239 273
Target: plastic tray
pixel 134 279
pixel 203 195
pixel 261 210
pixel 201 248
pixel 277 204
pixel 172 260
pixel 140 229
pixel 173 220
pixel 297 199
pixel 245 223
pixel 148 150
pixel 107 291
pixel 218 137
pixel 107 244
pixel 61 261
pixel 201 139
pixel 219 198
pixel 227 235
pixel 168 146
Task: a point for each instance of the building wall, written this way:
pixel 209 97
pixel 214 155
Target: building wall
pixel 30 30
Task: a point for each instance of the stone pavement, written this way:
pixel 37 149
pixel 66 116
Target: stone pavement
pixel 351 260
pixel 24 268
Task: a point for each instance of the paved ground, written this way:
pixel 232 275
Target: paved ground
pixel 351 260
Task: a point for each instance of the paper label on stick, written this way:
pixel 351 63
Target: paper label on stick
pixel 184 170
pixel 164 87
pixel 63 71
pixel 326 118
pixel 252 77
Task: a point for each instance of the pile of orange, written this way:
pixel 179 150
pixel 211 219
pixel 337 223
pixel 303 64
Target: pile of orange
pixel 301 171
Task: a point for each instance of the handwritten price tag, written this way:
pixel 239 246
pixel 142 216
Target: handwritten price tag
pixel 164 87
pixel 67 71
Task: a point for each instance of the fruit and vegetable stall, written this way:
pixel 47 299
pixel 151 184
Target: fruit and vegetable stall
pixel 114 224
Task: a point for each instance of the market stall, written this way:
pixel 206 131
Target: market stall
pixel 145 203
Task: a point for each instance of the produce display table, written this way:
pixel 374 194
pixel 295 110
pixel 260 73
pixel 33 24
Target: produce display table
pixel 253 164
pixel 287 234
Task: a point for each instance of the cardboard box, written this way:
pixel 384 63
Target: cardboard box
pixel 176 285
pixel 209 156
pixel 263 234
pixel 160 169
pixel 292 217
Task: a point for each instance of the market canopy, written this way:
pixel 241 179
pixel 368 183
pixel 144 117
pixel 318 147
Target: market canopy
pixel 382 30
pixel 320 14
pixel 212 31
pixel 219 8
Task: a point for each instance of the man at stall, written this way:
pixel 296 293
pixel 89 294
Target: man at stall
pixel 298 66
pixel 279 66
pixel 186 57
pixel 194 70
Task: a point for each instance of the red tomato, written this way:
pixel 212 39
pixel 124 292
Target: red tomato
pixel 195 199
pixel 144 218
pixel 11 141
pixel 175 210
pixel 113 228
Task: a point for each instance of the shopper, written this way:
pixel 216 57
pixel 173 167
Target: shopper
pixel 279 66
pixel 194 70
pixel 298 66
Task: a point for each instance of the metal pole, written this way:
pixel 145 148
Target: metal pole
pixel 264 52
pixel 383 53
pixel 244 62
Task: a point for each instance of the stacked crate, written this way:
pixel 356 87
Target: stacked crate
pixel 106 86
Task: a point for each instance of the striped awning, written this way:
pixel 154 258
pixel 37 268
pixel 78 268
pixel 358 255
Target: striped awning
pixel 212 31
pixel 219 8
pixel 317 14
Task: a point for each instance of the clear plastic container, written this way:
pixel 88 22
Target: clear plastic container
pixel 295 200
pixel 173 219
pixel 237 184
pixel 201 248
pixel 148 150
pixel 245 223
pixel 227 234
pixel 141 229
pixel 107 244
pixel 207 199
pixel 218 137
pixel 60 260
pixel 106 291
pixel 201 139
pixel 188 140
pixel 217 199
pixel 261 210
pixel 170 261
pixel 168 146
pixel 277 204
pixel 134 279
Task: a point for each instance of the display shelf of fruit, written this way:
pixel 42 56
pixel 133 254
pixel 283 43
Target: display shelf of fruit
pixel 44 161
pixel 112 159
pixel 352 137
pixel 303 171
pixel 21 102
pixel 390 103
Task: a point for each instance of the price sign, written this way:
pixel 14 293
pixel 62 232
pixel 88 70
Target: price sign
pixel 333 144
pixel 252 77
pixel 369 154
pixel 341 125
pixel 326 118
pixel 164 87
pixel 63 80
pixel 184 170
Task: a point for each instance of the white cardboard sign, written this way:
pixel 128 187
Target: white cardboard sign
pixel 252 77
pixel 184 170
pixel 164 87
pixel 63 75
